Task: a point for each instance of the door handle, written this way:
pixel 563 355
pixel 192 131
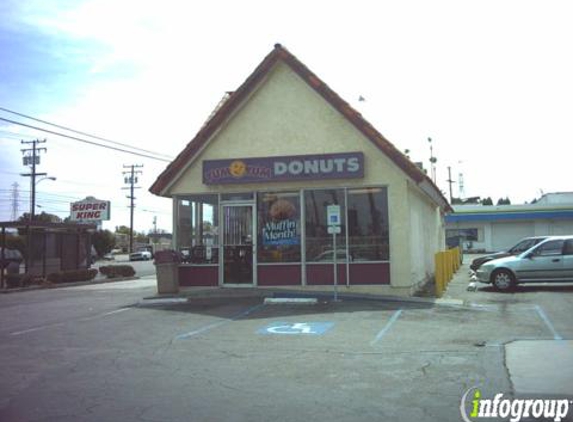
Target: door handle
pixel 556 260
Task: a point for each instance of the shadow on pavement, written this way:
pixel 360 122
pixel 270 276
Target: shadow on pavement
pixel 533 288
pixel 254 307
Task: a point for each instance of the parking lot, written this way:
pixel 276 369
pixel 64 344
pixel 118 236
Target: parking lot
pixel 98 353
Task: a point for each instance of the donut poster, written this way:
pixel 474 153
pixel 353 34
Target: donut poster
pixel 281 224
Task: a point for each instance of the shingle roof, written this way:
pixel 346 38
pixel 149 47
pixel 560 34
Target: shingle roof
pixel 280 53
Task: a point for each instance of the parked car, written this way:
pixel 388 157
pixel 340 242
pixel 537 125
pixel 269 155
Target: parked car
pixel 549 261
pixel 521 246
pixel 11 256
pixel 328 256
pixel 140 256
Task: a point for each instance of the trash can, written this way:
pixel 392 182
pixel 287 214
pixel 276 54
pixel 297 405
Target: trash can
pixel 167 270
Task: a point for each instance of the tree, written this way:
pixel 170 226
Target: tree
pixel 487 201
pixel 140 237
pixel 503 201
pixel 103 241
pixel 122 230
pixel 43 217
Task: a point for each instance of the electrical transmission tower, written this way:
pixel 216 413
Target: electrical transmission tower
pixel 15 197
pixel 130 178
pixel 32 158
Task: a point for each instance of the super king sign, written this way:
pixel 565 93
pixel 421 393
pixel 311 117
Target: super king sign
pixel 90 209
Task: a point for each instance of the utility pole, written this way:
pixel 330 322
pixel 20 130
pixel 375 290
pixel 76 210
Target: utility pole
pixel 130 178
pixel 32 159
pixel 15 196
pixel 450 182
pixel 154 232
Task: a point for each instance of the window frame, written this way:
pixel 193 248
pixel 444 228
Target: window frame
pixel 193 199
pixel 540 248
pixel 304 262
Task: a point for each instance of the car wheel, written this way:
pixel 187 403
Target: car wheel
pixel 503 280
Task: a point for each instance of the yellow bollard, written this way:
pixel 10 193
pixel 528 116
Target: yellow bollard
pixel 439 275
pixel 447 267
pixel 450 266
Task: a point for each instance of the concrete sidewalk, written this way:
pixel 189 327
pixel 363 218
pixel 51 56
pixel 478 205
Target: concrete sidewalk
pixel 541 367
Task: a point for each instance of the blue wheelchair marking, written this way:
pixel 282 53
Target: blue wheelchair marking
pixel 296 328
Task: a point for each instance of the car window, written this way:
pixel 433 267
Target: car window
pixel 522 246
pixel 568 249
pixel 553 247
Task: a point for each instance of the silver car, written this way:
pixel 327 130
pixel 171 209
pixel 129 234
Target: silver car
pixel 548 261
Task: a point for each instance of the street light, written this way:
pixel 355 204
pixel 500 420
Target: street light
pixel 33 204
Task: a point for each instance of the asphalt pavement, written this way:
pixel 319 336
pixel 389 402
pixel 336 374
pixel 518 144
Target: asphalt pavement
pixel 103 353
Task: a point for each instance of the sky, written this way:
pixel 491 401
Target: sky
pixel 489 82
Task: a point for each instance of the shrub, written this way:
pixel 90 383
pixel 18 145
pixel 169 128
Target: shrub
pixel 23 280
pixel 113 271
pixel 73 275
pixel 13 280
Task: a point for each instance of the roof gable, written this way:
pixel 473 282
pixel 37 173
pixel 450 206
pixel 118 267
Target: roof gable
pixel 234 100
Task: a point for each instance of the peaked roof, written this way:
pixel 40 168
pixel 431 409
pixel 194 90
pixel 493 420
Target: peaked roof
pixel 235 99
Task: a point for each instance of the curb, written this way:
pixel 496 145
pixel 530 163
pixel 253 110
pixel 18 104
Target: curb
pixel 290 301
pixel 386 298
pixel 61 285
pixel 293 296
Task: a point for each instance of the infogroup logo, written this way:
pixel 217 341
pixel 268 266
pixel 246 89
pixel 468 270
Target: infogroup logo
pixel 474 407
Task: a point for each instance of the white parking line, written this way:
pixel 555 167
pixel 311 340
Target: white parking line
pixel 386 328
pixel 547 321
pixel 31 330
pixel 42 327
pixel 117 311
pixel 218 324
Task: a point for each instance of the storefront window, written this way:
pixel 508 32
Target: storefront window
pixel 318 241
pixel 368 238
pixel 465 234
pixel 198 229
pixel 279 238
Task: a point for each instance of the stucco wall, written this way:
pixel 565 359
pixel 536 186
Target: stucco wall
pixel 426 235
pixel 491 240
pixel 284 116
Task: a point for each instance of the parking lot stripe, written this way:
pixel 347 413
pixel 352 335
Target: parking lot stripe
pixel 218 324
pixel 117 311
pixel 547 321
pixel 386 327
pixel 31 330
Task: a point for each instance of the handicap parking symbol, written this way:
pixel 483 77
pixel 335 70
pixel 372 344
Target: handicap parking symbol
pixel 297 328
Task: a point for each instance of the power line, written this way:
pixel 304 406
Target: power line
pixel 43 193
pixel 80 132
pixel 83 140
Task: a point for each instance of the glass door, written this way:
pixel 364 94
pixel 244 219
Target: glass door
pixel 238 246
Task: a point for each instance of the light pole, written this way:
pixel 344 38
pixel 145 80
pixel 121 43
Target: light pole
pixel 33 204
pixel 433 161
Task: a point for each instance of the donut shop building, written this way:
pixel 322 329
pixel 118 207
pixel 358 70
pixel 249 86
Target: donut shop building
pixel 250 193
